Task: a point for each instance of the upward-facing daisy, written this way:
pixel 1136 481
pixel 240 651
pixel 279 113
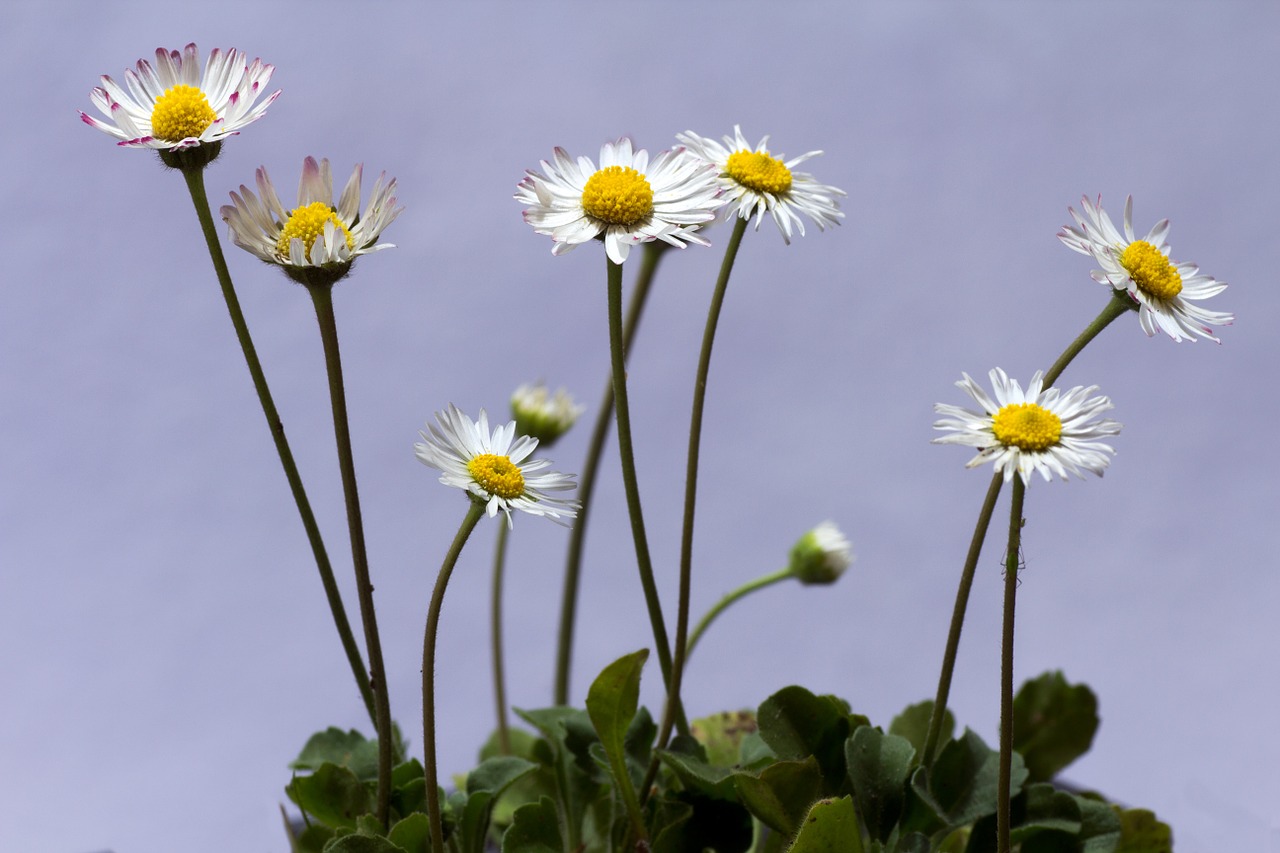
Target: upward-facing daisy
pixel 628 200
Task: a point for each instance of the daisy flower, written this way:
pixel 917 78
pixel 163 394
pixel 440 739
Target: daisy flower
pixel 821 555
pixel 174 106
pixel 755 181
pixel 1165 291
pixel 314 238
pixel 1041 430
pixel 628 200
pixel 542 415
pixel 493 467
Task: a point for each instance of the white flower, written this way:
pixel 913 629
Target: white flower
pixel 173 106
pixel 493 467
pixel 540 414
pixel 821 555
pixel 628 200
pixel 755 181
pixel 1041 430
pixel 315 234
pixel 1165 291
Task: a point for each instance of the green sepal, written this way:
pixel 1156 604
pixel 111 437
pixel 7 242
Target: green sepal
pixel 535 828
pixel 879 767
pixel 332 795
pixel 1053 724
pixel 913 724
pixel 831 826
pixel 781 794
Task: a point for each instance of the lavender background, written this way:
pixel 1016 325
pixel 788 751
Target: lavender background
pixel 164 644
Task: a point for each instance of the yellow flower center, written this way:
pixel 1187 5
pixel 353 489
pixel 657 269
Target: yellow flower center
pixel 618 195
pixel 756 170
pixel 1151 270
pixel 497 475
pixel 181 113
pixel 1027 426
pixel 307 223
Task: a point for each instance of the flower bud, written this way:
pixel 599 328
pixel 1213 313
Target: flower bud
pixel 821 555
pixel 542 415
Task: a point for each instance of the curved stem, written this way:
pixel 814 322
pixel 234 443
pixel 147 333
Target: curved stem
pixel 322 298
pixel 495 637
pixel 474 512
pixel 957 620
pixel 669 716
pixel 723 604
pixel 195 184
pixel 622 410
pixel 1006 667
pixel 1119 304
pixel 653 252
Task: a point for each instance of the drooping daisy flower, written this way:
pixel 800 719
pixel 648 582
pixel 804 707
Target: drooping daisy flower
pixel 821 555
pixel 755 181
pixel 628 200
pixel 1041 430
pixel 314 242
pixel 173 106
pixel 1165 291
pixel 492 467
pixel 542 415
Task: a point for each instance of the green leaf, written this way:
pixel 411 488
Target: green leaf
pixel 754 752
pixel 913 842
pixel 1100 826
pixel 413 833
pixel 961 786
pixel 780 795
pixel 1053 724
pixel 362 844
pixel 696 775
pixel 473 822
pixel 345 749
pixel 612 701
pixel 879 766
pixel 332 795
pixel 722 734
pixel 495 774
pixel 1142 832
pixel 830 827
pixel 795 723
pixel 535 828
pixel 913 724
pixel 669 819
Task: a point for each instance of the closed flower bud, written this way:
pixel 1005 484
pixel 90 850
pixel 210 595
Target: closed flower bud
pixel 821 555
pixel 542 415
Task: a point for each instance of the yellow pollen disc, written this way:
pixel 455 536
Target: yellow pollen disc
pixel 1151 270
pixel 497 475
pixel 180 113
pixel 618 195
pixel 758 171
pixel 1027 426
pixel 307 223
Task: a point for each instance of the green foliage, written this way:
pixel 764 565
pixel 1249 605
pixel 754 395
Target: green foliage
pixel 780 795
pixel 831 826
pixel 345 749
pixel 1053 724
pixel 1142 832
pixel 332 795
pixel 796 724
pixel 879 767
pixel 535 829
pixel 913 724
pixel 961 786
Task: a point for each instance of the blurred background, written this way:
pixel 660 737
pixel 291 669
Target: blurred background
pixel 164 642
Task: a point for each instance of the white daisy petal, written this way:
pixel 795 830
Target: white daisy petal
pixel 628 200
pixel 755 181
pixel 1040 430
pixel 174 106
pixel 1159 287
pixel 491 468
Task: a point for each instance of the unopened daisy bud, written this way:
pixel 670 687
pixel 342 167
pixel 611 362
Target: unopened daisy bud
pixel 542 415
pixel 821 555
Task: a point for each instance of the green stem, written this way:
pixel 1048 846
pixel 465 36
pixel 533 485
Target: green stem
pixel 653 252
pixel 622 410
pixel 195 184
pixel 474 512
pixel 957 620
pixel 1118 305
pixel 495 635
pixel 322 298
pixel 724 603
pixel 691 483
pixel 1006 667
